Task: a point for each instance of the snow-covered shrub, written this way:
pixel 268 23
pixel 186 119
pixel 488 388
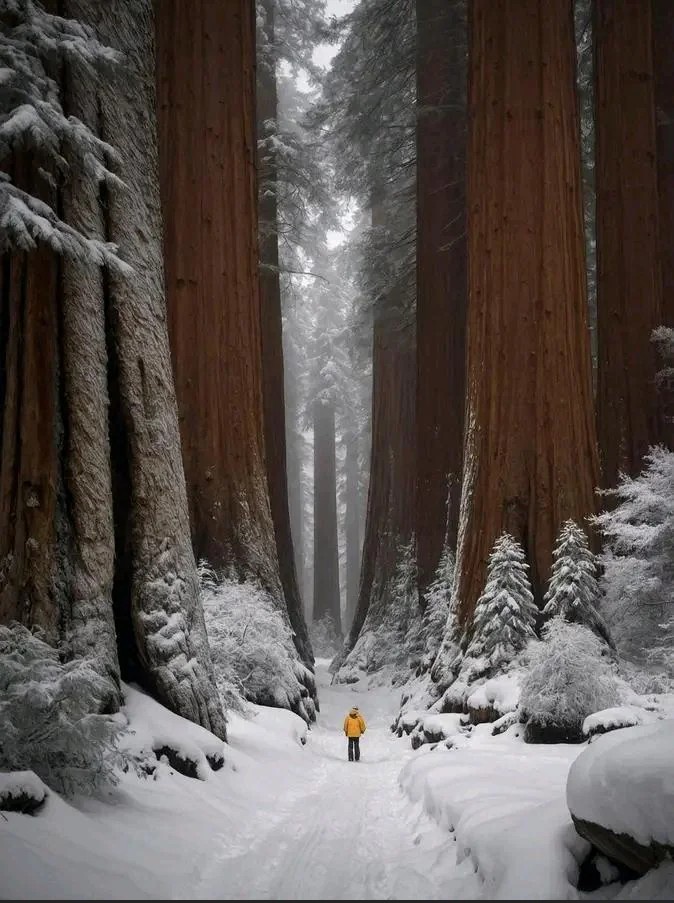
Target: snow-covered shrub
pixel 49 721
pixel 438 607
pixel 505 613
pixel 325 639
pixel 638 561
pixel 252 647
pixel 573 591
pixel 569 679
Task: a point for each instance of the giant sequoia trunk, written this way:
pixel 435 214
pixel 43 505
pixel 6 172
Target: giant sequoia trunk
pixel 441 275
pixel 530 456
pixel 94 505
pixel 326 553
pixel 629 287
pixel 206 84
pixel 273 394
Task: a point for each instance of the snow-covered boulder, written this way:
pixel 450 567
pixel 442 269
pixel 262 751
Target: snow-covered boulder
pixel 494 698
pixel 616 717
pixel 437 728
pixel 21 791
pixel 620 792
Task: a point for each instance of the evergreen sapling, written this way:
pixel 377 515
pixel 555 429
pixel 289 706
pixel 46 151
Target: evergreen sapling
pixel 573 592
pixel 505 613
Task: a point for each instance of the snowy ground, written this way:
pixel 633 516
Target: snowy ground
pixel 283 820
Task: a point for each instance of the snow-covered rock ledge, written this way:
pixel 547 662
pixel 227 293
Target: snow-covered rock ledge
pixel 620 793
pixel 21 791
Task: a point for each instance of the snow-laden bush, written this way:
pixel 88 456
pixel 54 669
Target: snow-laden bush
pixel 569 679
pixel 438 606
pixel 49 716
pixel 573 591
pixel 638 561
pixel 505 613
pixel 252 647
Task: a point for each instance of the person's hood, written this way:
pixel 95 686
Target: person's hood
pixel 354 713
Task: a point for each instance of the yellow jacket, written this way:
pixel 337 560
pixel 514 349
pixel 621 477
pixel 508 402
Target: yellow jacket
pixel 354 724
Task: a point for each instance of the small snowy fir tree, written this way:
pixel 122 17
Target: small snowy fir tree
pixel 49 716
pixel 573 591
pixel 438 609
pixel 31 118
pixel 569 679
pixel 505 613
pixel 638 559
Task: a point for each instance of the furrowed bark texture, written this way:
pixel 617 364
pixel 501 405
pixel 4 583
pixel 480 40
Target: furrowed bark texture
pixel 89 619
pixel 30 566
pixel 326 554
pixel 530 458
pixel 206 84
pixel 273 394
pixel 166 611
pixel 663 42
pixel 629 288
pixel 441 275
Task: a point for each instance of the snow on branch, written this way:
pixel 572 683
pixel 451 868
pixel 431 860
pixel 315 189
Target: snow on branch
pixel 32 44
pixel 26 222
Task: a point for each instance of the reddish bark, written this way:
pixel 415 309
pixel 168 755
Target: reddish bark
pixel 30 421
pixel 530 457
pixel 206 108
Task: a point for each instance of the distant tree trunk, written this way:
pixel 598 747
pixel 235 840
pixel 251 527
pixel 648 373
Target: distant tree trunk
pixel 326 553
pixel 663 42
pixel 352 524
pixel 530 452
pixel 629 289
pixel 389 522
pixel 294 462
pixel 272 348
pixel 441 275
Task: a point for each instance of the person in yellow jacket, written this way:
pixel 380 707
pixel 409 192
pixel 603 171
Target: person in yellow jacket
pixel 354 727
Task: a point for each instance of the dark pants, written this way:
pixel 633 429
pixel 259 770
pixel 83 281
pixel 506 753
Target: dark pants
pixel 354 748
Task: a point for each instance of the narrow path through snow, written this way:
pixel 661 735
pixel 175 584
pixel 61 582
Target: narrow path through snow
pixel 339 829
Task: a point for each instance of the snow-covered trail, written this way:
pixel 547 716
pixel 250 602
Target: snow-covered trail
pixel 338 829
